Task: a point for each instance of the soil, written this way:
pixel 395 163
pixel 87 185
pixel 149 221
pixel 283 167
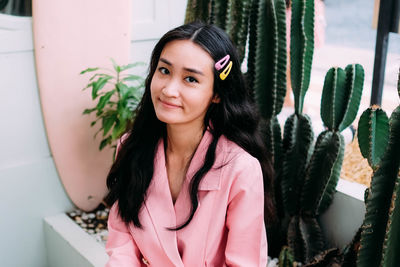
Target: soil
pixel 355 168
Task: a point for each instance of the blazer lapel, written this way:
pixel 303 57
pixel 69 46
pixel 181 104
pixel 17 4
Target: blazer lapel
pixel 211 181
pixel 160 208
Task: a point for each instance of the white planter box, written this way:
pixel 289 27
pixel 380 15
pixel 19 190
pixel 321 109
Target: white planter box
pixel 69 245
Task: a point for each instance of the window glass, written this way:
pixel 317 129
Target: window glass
pixel 16 7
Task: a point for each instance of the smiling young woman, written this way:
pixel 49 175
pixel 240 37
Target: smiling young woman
pixel 191 184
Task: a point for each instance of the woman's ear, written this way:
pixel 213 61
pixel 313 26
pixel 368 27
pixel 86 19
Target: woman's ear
pixel 215 99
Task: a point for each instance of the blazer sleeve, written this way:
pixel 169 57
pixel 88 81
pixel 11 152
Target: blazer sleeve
pixel 246 241
pixel 120 246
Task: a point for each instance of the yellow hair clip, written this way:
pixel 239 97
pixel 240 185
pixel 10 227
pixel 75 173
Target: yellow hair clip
pixel 226 71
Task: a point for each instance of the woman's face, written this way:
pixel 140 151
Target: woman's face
pixel 182 85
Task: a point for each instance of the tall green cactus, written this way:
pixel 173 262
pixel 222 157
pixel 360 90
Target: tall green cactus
pixel 198 10
pixel 219 13
pixel 301 49
pixel 380 236
pixel 237 24
pixel 340 101
pixel 311 192
pixel 270 61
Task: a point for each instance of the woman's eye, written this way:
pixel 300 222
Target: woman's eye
pixel 163 70
pixel 190 79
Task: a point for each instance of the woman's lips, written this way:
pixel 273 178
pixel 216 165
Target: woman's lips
pixel 168 104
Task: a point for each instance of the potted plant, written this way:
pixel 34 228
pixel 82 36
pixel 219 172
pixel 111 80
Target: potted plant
pixel 117 93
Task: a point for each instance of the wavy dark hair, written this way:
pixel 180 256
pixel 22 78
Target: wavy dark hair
pixel 235 117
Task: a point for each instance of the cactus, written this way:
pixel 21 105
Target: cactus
pixel 301 49
pixel 380 241
pixel 198 10
pixel 315 186
pixel 237 24
pixel 286 258
pixel 270 62
pixel 297 142
pixel 252 47
pixel 219 13
pixel 373 131
pixel 339 104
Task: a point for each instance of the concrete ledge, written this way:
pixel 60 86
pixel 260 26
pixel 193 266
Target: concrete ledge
pixel 69 245
pixel 346 214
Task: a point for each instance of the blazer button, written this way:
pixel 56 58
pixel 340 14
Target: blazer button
pixel 145 261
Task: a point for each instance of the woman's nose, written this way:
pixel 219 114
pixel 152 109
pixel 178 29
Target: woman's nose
pixel 171 88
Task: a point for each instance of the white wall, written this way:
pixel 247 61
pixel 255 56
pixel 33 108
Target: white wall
pixel 29 184
pixel 150 20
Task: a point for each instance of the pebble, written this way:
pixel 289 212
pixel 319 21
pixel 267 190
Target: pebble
pixel 94 223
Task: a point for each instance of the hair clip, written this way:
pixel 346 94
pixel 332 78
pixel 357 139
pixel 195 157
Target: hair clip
pixel 222 63
pixel 226 71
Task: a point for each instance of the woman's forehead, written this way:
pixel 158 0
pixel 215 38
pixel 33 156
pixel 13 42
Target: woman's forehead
pixel 186 53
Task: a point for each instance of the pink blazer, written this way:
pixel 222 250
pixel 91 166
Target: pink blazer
pixel 226 230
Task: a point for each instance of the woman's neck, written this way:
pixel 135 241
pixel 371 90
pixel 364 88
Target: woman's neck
pixel 183 140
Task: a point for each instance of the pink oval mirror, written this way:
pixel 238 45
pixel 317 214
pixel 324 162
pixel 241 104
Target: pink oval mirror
pixel 70 36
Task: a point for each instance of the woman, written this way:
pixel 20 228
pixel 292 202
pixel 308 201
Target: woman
pixel 191 179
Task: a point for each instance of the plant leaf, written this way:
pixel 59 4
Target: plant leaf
pixel 88 111
pixel 132 77
pixel 132 65
pixel 108 122
pixel 105 142
pixel 88 70
pixel 98 85
pixel 104 99
pixel 116 67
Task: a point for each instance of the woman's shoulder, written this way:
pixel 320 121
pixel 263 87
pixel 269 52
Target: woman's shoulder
pixel 236 156
pixel 239 168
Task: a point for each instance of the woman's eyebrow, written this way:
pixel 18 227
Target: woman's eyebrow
pixel 185 68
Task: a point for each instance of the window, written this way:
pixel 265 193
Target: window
pixel 16 7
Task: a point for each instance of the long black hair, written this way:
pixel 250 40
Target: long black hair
pixel 234 116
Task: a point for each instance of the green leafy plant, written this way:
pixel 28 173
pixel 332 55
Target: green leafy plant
pixel 117 93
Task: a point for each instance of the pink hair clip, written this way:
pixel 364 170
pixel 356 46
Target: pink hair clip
pixel 222 63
